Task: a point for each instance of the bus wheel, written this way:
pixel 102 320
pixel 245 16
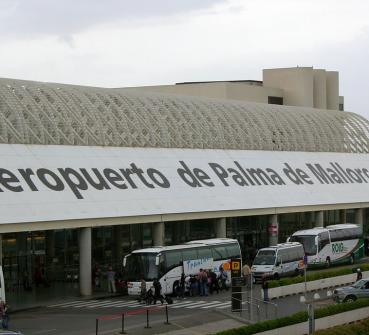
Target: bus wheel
pixel 328 262
pixel 276 276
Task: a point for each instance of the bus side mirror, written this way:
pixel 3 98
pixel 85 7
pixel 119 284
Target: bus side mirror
pixel 279 261
pixel 124 261
pixel 157 260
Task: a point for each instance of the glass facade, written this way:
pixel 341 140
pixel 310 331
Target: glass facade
pixel 54 254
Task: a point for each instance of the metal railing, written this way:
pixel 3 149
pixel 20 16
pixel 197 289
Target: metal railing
pixel 255 303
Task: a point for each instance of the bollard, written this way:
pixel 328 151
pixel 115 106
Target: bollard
pixel 166 314
pixel 147 319
pixel 97 326
pixel 123 332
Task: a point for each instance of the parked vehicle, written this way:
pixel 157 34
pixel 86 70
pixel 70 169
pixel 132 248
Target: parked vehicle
pixel 358 290
pixel 342 243
pixel 280 260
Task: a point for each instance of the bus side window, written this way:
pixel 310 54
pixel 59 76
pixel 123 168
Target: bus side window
pixel 173 259
pixel 204 253
pixel 189 254
pixel 233 250
pixel 161 266
pixel 323 240
pixel 219 253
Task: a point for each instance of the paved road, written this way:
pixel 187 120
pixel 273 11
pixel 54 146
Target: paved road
pixel 78 317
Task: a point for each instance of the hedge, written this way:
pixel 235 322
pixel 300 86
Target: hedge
pixel 295 318
pixel 316 276
pixel 357 328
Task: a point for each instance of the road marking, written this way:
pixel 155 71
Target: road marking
pixel 181 305
pixel 225 306
pixel 83 304
pixel 202 305
pixel 216 304
pixel 199 303
pixel 188 304
pixel 111 303
pixel 71 303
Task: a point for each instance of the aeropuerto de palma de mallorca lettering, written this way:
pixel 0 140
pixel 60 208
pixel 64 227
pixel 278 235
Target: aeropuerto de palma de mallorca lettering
pixel 127 168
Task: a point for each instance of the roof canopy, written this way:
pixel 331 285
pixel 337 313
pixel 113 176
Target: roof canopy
pixel 45 113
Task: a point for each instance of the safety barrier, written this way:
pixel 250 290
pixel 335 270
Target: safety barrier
pixel 123 315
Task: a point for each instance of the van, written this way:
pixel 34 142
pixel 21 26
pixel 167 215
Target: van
pixel 280 260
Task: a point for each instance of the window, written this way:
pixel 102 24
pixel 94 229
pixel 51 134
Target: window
pixel 219 253
pixel 204 253
pixel 233 250
pixel 189 254
pixel 173 259
pixel 323 240
pixel 275 100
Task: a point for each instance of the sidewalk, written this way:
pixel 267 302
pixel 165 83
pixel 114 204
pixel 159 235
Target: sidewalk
pixel 58 292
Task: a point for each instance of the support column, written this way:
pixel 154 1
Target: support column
pixel 221 227
pixel 85 266
pixel 359 218
pixel 310 219
pixel 158 234
pixel 343 216
pixel 273 228
pixel 319 219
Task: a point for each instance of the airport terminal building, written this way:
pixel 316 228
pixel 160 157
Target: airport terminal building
pixel 89 174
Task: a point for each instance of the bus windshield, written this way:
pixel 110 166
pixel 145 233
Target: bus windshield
pixel 141 266
pixel 265 257
pixel 308 241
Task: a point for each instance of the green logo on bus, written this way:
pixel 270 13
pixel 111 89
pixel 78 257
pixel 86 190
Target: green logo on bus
pixel 337 248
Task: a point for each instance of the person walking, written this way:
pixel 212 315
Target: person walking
pixel 246 273
pixel 359 274
pixel 182 285
pixel 4 308
pixel 157 292
pixel 111 280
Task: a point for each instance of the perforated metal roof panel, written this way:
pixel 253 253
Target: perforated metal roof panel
pixel 45 113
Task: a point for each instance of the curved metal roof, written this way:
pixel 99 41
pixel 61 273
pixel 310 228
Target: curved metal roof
pixel 45 113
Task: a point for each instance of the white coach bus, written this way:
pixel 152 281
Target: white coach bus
pixel 342 243
pixel 167 263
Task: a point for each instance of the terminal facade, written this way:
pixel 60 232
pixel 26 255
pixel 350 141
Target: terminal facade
pixel 89 174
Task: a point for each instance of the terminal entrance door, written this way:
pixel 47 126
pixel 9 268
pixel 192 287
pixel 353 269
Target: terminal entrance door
pixel 23 253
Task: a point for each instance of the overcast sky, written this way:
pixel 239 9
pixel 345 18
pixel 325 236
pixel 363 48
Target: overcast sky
pixel 117 43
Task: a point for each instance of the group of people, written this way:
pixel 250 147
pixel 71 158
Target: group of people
pixel 110 275
pixel 152 295
pixel 204 282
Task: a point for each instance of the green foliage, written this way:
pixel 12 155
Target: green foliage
pixel 358 328
pixel 316 275
pixel 297 318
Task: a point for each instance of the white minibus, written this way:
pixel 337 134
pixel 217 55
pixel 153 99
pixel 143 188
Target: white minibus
pixel 280 260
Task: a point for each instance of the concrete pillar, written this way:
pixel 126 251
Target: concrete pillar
pixel 359 218
pixel 273 228
pixel 85 263
pixel 221 227
pixel 343 216
pixel 310 219
pixel 158 234
pixel 319 219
